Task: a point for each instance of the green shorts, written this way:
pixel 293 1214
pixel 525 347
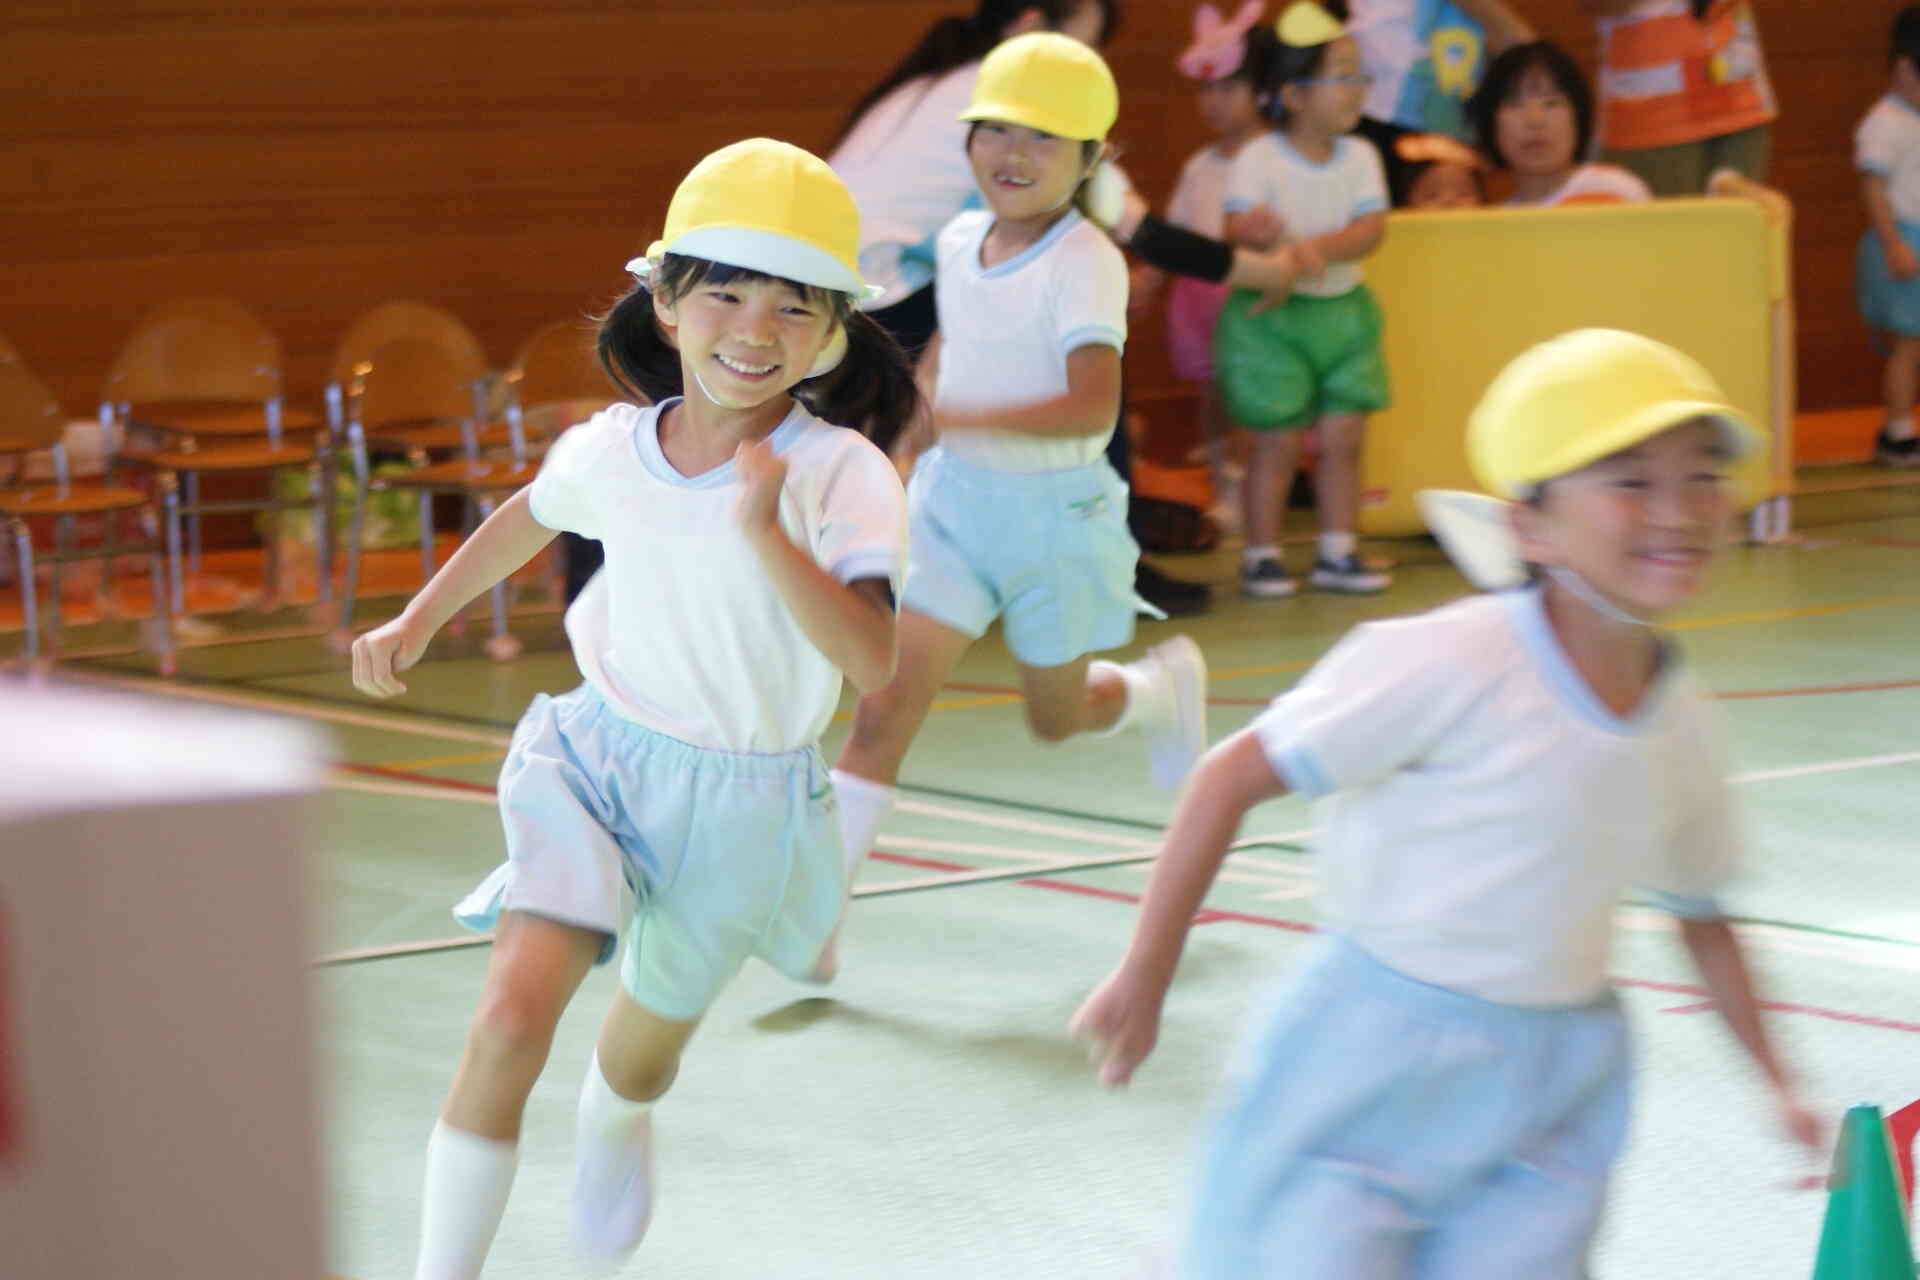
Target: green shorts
pixel 1286 366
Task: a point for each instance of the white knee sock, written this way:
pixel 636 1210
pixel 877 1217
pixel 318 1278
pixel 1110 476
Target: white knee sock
pixel 1900 428
pixel 1337 546
pixel 613 1169
pixel 864 805
pixel 1137 692
pixel 467 1181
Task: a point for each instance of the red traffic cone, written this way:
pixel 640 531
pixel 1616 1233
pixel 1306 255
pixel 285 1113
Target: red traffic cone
pixel 1865 1233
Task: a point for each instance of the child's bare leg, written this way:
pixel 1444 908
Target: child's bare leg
pixel 1336 471
pixel 886 721
pixel 637 1059
pixel 1269 478
pixel 535 968
pixel 1902 382
pixel 1336 493
pixel 1069 699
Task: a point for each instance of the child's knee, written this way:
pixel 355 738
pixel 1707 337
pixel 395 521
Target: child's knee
pixel 512 1026
pixel 642 1079
pixel 1052 724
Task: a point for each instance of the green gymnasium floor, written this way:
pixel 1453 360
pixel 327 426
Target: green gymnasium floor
pixel 927 1117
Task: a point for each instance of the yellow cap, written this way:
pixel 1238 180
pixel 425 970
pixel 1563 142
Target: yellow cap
pixel 1306 24
pixel 767 206
pixel 1574 399
pixel 1049 82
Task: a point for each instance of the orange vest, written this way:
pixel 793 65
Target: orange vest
pixel 1668 78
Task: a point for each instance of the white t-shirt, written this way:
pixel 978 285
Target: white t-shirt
pixel 1199 196
pixel 683 631
pixel 1425 57
pixel 905 162
pixel 1006 331
pixel 1887 143
pixel 1491 812
pixel 1312 199
pixel 1594 184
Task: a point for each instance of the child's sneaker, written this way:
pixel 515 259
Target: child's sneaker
pixel 1267 579
pixel 1348 574
pixel 1889 452
pixel 1173 710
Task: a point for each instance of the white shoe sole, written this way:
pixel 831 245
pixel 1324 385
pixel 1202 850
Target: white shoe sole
pixel 1172 753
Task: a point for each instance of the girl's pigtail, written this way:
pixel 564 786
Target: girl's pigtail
pixel 871 390
pixel 635 353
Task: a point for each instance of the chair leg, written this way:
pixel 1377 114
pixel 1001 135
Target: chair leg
pixel 502 645
pixel 162 618
pixel 29 590
pixel 177 584
pixel 322 475
pixel 356 523
pixel 426 535
pixel 62 543
pixel 193 521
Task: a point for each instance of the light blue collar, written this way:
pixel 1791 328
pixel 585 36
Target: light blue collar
pixel 646 443
pixel 1047 240
pixel 1528 609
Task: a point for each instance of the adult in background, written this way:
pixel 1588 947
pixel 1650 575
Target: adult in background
pixel 1424 58
pixel 1683 91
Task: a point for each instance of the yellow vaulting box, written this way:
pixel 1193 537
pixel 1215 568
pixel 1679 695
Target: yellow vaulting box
pixel 1465 292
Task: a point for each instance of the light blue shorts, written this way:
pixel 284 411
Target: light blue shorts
pixel 1378 1127
pixel 702 858
pixel 1049 551
pixel 1889 305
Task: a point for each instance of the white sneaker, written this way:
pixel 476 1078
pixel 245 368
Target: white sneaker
pixel 613 1195
pixel 1173 711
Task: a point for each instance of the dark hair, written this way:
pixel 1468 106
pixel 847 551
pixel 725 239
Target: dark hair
pixel 872 391
pixel 1262 46
pixel 1905 42
pixel 1503 82
pixel 954 42
pixel 1286 64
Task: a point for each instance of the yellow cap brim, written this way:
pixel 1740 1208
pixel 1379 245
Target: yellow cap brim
pixel 1741 436
pixel 770 252
pixel 1029 118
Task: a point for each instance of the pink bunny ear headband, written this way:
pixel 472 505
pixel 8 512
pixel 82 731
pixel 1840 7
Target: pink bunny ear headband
pixel 1219 44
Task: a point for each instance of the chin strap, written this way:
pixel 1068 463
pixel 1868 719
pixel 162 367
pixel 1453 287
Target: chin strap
pixel 1579 586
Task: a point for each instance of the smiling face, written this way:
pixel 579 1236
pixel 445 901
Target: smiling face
pixel 1536 128
pixel 1639 526
pixel 1023 173
pixel 743 342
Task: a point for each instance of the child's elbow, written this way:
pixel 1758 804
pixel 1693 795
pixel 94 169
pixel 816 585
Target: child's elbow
pixel 873 667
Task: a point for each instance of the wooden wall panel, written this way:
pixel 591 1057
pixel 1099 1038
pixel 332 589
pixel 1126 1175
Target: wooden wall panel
pixel 504 157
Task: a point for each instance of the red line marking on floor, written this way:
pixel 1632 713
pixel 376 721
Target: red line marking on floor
pixel 407 775
pixel 1211 915
pixel 1878 686
pixel 1704 1006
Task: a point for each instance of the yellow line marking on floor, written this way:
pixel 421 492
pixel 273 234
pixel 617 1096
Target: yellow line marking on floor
pixel 1780 615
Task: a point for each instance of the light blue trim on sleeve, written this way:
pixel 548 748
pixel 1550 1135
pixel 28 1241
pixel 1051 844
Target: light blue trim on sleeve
pixel 867 564
pixel 1296 764
pixel 1235 204
pixel 1365 207
pixel 1687 908
pixel 1878 171
pixel 1088 335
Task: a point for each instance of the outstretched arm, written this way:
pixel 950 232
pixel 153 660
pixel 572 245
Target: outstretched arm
pixel 504 541
pixel 1718 956
pixel 1123 1015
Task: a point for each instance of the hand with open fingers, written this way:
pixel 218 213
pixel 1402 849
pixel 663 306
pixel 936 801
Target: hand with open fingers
pixel 1801 1124
pixel 382 654
pixel 1261 228
pixel 1307 255
pixel 1121 1022
pixel 1277 282
pixel 1902 261
pixel 762 473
